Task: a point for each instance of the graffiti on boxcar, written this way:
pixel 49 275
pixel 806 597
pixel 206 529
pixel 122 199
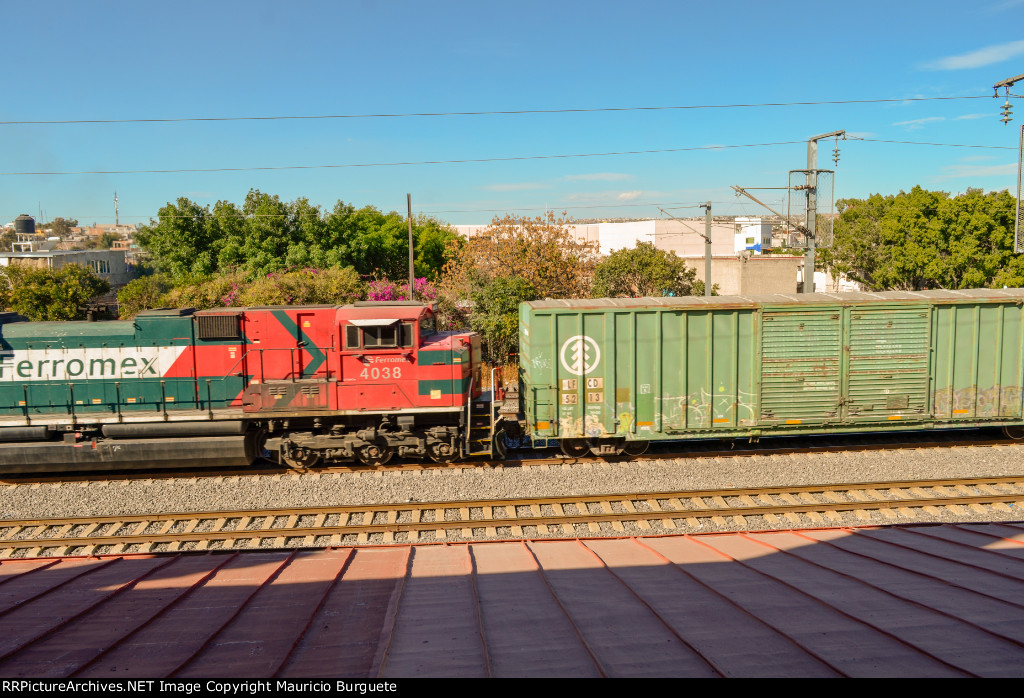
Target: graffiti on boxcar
pixel 540 362
pixel 696 409
pixel 989 402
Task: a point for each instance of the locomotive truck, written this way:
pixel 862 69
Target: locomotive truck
pixel 372 381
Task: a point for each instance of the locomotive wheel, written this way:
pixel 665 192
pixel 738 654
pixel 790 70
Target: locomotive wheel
pixel 374 454
pixel 1015 432
pixel 575 448
pixel 442 452
pixel 301 458
pixel 635 448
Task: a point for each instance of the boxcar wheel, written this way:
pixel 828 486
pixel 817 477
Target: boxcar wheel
pixel 574 448
pixel 635 448
pixel 1015 432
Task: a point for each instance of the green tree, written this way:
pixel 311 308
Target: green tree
pixel 55 294
pixel 643 270
pixel 922 239
pixel 495 315
pixel 61 227
pixel 180 241
pixel 7 239
pixel 378 244
pixel 103 242
pixel 143 293
pixel 435 245
pixel 267 235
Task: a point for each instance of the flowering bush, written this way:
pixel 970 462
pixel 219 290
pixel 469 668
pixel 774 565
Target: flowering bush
pixel 384 290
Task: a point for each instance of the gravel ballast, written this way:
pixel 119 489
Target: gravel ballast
pixel 213 493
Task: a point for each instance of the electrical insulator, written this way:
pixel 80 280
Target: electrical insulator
pixel 835 155
pixel 1007 111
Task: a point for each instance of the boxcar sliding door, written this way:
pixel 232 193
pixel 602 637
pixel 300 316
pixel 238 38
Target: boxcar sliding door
pixel 801 355
pixel 887 364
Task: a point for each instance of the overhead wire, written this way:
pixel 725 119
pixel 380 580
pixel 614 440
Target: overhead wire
pixel 494 112
pixel 475 160
pixel 405 163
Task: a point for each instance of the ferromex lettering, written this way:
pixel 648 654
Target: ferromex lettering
pixel 60 364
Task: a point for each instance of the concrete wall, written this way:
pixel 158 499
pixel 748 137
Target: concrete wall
pixel 686 238
pixel 624 236
pixel 750 276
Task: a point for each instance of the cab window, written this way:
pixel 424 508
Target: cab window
pixel 387 336
pixel 380 337
pixel 352 337
pixel 408 333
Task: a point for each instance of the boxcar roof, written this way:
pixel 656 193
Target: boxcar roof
pixel 966 295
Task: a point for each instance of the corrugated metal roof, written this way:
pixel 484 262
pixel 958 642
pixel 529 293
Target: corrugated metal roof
pixel 994 294
pixel 902 601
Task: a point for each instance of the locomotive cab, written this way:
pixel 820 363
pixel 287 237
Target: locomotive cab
pixel 394 386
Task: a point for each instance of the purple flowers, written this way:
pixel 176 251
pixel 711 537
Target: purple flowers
pixel 384 290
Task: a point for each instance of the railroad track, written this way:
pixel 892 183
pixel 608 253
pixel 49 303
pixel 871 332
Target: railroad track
pixel 658 512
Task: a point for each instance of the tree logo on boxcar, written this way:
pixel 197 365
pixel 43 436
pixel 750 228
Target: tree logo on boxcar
pixel 580 355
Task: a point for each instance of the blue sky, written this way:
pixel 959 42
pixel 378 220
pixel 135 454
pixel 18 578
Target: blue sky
pixel 147 60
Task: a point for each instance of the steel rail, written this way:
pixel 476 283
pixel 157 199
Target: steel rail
pixel 520 502
pixel 231 526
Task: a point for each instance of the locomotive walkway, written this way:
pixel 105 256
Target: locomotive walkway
pixel 661 512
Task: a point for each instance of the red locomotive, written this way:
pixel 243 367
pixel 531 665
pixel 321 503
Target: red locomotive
pixel 298 385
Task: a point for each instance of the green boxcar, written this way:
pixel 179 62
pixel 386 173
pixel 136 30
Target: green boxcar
pixel 614 371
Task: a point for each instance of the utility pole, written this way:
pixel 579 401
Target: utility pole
pixel 412 278
pixel 812 205
pixel 707 242
pixel 707 248
pixel 117 221
pixel 1018 228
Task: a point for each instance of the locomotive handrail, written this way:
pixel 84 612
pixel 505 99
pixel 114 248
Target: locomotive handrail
pixel 469 417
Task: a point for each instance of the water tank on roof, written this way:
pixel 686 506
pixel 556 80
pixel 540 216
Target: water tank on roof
pixel 25 225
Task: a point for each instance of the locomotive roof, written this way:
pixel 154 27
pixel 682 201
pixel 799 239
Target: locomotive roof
pixel 398 308
pixel 971 294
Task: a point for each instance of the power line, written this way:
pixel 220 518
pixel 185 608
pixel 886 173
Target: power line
pixel 580 110
pixel 427 210
pixel 472 160
pixel 396 164
pixel 947 145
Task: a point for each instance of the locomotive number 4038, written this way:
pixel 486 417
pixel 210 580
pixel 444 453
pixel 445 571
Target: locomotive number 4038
pixel 386 372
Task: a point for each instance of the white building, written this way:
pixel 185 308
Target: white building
pixel 753 235
pixel 108 264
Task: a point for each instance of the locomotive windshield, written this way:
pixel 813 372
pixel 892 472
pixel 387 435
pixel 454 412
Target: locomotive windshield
pixel 427 326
